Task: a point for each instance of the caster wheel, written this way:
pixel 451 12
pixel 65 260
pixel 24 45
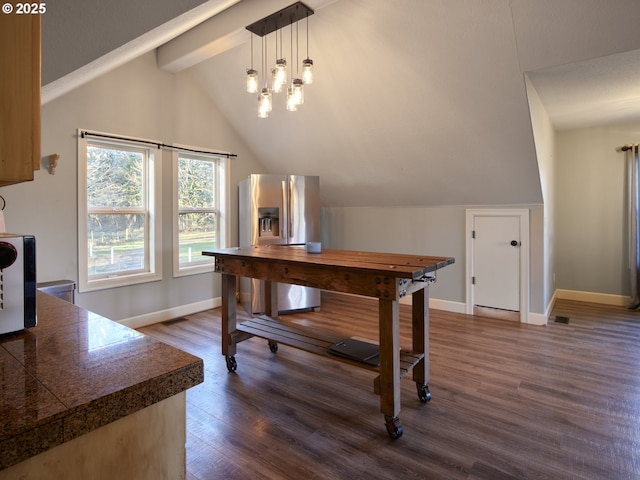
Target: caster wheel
pixel 273 346
pixel 232 365
pixel 423 392
pixel 394 428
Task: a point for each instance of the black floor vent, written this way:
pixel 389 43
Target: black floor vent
pixel 560 319
pixel 174 320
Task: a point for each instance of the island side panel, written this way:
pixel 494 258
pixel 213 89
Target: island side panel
pixel 358 281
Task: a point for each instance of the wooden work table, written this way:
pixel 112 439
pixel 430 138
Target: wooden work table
pixel 387 277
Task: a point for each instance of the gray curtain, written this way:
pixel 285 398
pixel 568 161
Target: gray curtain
pixel 633 162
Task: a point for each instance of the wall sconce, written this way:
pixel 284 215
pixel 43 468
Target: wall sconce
pixel 295 94
pixel 53 163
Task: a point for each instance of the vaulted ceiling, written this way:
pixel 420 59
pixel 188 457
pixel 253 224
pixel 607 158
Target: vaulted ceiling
pixel 415 102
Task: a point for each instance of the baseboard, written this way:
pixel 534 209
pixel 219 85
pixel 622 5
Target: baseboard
pixel 175 312
pixel 551 303
pixel 447 305
pixel 537 318
pixel 437 304
pixel 459 307
pixel 170 313
pixel 591 297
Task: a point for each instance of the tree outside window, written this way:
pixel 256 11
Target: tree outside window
pixel 117 214
pixel 199 181
pixel 119 221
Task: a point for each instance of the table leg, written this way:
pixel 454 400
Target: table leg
pixel 420 333
pixel 229 319
pixel 271 306
pixel 271 298
pixel 389 319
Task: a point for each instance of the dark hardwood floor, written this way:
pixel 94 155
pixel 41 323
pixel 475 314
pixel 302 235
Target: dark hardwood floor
pixel 510 401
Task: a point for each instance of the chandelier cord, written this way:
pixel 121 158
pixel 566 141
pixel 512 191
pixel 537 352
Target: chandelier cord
pixel 264 65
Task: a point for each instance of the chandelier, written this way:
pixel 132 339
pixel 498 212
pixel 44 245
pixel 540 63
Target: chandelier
pixel 275 80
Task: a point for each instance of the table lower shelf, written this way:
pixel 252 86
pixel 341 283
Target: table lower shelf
pixel 311 340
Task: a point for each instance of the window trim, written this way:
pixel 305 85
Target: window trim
pixel 153 189
pixel 223 205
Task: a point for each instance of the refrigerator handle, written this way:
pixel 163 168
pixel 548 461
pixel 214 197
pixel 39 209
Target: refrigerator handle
pixel 284 221
pixel 289 210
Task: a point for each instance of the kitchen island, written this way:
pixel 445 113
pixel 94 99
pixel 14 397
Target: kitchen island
pixel 385 276
pixel 85 397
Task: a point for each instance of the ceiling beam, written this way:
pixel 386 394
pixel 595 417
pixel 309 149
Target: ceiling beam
pixel 220 33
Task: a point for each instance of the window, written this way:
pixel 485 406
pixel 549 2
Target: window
pixel 119 213
pixel 200 190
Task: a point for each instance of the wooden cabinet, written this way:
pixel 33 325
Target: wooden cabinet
pixel 19 97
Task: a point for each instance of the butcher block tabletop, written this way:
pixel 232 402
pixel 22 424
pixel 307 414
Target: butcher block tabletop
pixel 388 264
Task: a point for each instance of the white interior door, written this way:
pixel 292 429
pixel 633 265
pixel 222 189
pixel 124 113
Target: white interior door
pixel 496 267
pixel 497 262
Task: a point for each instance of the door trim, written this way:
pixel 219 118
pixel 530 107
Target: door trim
pixel 470 214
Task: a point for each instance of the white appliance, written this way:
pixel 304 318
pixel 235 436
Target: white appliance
pixel 17 282
pixel 278 210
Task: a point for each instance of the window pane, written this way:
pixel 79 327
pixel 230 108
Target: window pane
pixel 116 243
pixel 196 233
pixel 114 177
pixel 196 183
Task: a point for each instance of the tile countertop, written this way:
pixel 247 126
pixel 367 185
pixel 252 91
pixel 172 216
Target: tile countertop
pixel 77 371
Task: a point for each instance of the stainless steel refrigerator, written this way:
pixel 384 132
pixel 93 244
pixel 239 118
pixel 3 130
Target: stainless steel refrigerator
pixel 278 210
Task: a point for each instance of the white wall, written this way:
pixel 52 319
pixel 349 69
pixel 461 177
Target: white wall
pixel 544 137
pixel 591 242
pixel 438 231
pixel 419 230
pixel 136 100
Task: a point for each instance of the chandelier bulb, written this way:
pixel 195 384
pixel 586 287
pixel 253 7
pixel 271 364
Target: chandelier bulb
pixel 279 75
pixel 292 106
pixel 307 71
pixel 252 81
pixel 298 91
pixel 265 104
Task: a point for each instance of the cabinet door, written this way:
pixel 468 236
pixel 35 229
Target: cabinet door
pixel 19 97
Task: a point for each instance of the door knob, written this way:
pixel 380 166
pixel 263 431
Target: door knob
pixel 515 243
